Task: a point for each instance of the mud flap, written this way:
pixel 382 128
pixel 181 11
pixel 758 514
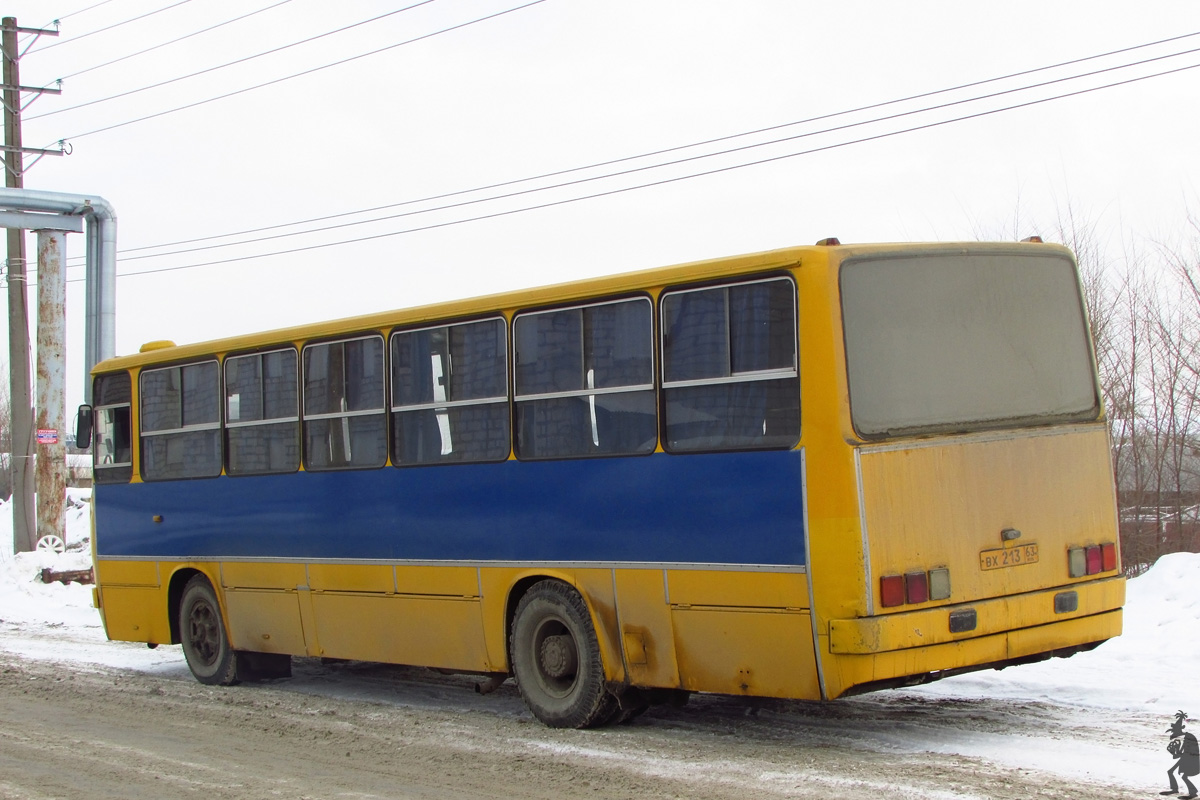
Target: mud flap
pixel 262 666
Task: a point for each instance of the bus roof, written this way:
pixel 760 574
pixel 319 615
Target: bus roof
pixel 165 351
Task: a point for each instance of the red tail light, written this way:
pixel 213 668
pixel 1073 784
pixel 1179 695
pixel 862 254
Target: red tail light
pixel 891 590
pixel 916 587
pixel 1108 555
pixel 1091 560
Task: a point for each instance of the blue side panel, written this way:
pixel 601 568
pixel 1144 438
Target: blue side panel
pixel 731 508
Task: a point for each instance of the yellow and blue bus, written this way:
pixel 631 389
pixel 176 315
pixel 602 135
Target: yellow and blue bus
pixel 803 473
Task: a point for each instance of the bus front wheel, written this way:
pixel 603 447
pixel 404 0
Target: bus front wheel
pixel 205 643
pixel 556 658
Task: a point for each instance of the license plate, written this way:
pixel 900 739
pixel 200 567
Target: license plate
pixel 1008 557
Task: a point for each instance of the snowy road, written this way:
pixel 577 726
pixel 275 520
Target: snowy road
pixel 355 730
pixel 123 721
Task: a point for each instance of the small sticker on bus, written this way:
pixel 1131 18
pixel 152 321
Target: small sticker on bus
pixel 1008 557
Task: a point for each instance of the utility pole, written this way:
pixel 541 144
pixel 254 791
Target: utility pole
pixel 18 314
pixel 21 458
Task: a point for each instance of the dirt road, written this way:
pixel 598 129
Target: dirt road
pixel 370 731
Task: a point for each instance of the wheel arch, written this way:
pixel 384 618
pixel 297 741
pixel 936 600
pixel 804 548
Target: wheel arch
pixel 175 586
pixel 611 652
pixel 518 590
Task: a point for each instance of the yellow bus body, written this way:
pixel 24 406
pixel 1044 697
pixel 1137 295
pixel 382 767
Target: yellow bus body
pixel 811 631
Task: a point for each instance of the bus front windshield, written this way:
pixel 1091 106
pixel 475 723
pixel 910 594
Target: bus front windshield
pixel 955 341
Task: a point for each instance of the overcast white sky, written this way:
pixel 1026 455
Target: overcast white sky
pixel 568 83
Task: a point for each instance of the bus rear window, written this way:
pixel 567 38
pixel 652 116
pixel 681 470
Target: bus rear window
pixel 947 342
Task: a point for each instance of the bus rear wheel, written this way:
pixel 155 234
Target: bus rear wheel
pixel 205 643
pixel 556 658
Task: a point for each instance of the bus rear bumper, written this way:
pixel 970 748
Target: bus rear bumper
pixel 1018 616
pixel 912 648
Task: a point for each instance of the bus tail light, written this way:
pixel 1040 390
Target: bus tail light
pixel 1091 560
pixel 939 584
pixel 891 590
pixel 1076 562
pixel 916 587
pixel 1108 555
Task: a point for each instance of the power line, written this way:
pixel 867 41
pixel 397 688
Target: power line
pixel 663 151
pixel 300 74
pixel 108 28
pixel 229 63
pixel 675 162
pixel 664 181
pixel 80 11
pixel 171 42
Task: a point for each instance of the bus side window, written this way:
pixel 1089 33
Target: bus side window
pixel 112 437
pixel 585 381
pixel 450 394
pixel 262 413
pixel 345 424
pixel 180 416
pixel 730 368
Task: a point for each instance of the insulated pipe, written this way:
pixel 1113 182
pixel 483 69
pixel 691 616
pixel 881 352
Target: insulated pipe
pixel 100 333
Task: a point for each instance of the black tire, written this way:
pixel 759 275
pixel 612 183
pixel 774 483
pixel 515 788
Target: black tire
pixel 556 659
pixel 205 643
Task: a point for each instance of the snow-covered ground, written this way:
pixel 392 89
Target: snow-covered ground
pixel 1098 716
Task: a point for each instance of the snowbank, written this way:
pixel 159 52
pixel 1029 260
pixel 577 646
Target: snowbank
pixel 1141 670
pixel 24 599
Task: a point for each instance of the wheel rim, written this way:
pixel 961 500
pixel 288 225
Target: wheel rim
pixel 204 632
pixel 555 657
pixel 52 543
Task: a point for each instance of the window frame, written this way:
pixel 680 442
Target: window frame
pixel 305 417
pixel 394 408
pixel 585 392
pixel 126 467
pixel 297 419
pixel 201 427
pixel 731 376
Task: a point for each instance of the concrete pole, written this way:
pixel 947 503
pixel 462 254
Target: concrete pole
pixel 24 535
pixel 51 476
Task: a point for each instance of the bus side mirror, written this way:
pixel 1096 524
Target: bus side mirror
pixel 83 427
